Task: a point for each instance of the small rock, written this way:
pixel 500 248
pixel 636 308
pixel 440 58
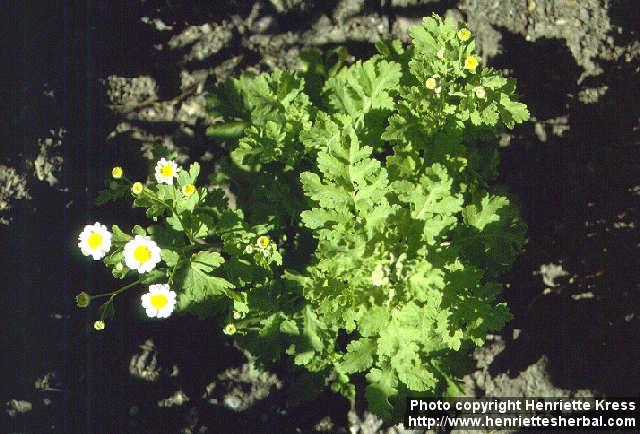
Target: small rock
pixel 551 272
pixel 176 400
pixel 15 407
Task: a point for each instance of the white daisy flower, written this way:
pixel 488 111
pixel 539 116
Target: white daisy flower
pixel 166 170
pixel 95 241
pixel 142 254
pixel 159 301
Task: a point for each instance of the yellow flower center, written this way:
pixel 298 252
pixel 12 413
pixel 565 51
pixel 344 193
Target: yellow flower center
pixel 263 242
pixel 471 63
pixel 431 83
pixel 137 187
pixel 158 301
pixel 188 189
pixel 116 172
pixel 94 240
pixel 229 329
pixel 464 34
pixel 166 170
pixel 142 254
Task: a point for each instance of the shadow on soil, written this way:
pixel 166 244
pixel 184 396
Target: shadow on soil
pixel 576 193
pixel 577 196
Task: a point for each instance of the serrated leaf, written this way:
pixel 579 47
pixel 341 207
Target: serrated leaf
pixel 480 215
pixel 363 87
pixel 494 82
pixel 118 236
pixel 382 387
pixel 375 319
pixel 199 287
pixel 206 261
pixel 518 111
pixel 170 257
pixel 139 230
pixel 359 356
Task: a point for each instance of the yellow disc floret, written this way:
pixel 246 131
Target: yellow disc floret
pixel 464 34
pixel 137 188
pixel 188 189
pixel 431 83
pixel 98 325
pixel 142 254
pixel 117 172
pixel 229 329
pixel 94 240
pixel 158 300
pixel 166 170
pixel 263 242
pixel 471 63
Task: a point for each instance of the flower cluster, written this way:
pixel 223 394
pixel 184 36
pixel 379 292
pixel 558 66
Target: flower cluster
pixel 174 254
pixel 141 253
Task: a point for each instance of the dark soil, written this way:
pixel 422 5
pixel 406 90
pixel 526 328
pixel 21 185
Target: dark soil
pixel 86 85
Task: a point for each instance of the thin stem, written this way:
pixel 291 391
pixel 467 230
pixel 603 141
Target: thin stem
pixel 175 267
pixel 116 292
pixel 175 212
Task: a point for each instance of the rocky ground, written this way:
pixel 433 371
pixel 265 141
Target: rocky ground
pixel 89 85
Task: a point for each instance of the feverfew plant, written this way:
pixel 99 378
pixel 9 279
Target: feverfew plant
pixel 349 224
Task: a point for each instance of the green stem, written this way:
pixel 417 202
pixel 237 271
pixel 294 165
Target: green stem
pixel 173 271
pixel 111 296
pixel 116 292
pixel 175 212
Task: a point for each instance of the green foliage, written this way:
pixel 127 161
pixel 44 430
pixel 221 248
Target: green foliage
pixel 385 240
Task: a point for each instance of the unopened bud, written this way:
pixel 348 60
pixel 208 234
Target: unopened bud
pixel 83 299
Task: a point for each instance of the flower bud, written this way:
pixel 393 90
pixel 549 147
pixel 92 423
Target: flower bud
pixel 480 92
pixel 378 276
pixel 229 329
pixel 464 34
pixel 117 172
pixel 83 299
pixel 188 189
pixel 263 242
pixel 471 63
pixel 137 188
pixel 98 325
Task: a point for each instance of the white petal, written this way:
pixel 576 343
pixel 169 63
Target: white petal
pixel 165 312
pixel 146 302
